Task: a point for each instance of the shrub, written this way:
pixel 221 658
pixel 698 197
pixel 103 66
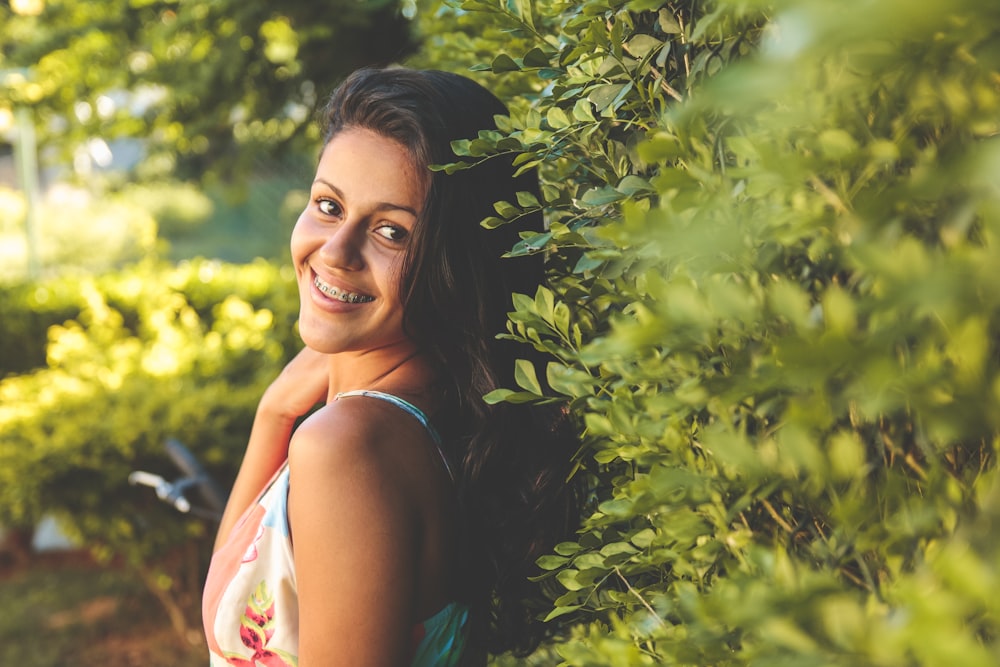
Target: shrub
pixel 154 352
pixel 773 236
pixel 27 310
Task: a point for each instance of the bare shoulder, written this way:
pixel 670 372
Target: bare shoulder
pixel 334 432
pixel 356 524
pixel 344 476
pixel 354 437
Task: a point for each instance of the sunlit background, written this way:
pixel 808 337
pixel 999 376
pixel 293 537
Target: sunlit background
pixel 773 308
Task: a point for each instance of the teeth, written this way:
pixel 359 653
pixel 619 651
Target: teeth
pixel 334 293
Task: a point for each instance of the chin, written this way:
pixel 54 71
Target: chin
pixel 315 339
pixel 319 343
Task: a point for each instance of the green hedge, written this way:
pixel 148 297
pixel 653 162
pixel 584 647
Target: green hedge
pixel 775 313
pixel 144 354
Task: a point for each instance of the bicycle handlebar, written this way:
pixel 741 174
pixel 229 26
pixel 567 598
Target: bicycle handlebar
pixel 173 492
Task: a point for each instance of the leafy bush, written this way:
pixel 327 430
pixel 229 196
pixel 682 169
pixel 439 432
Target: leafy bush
pixel 27 311
pixel 773 239
pixel 153 353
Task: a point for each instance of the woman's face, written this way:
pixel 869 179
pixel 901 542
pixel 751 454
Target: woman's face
pixel 349 243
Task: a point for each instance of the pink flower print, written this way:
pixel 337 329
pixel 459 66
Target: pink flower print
pixel 256 630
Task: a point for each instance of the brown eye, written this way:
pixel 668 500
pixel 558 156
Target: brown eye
pixel 392 232
pixel 328 207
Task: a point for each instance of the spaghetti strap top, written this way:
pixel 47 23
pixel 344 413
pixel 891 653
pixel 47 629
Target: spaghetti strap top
pixel 413 410
pixel 250 603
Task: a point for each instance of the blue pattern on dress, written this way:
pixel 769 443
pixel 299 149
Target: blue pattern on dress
pixel 277 513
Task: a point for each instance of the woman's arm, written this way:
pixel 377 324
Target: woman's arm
pixel 302 384
pixel 356 528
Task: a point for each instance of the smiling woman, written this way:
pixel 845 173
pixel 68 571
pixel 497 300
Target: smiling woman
pixel 399 523
pixel 349 243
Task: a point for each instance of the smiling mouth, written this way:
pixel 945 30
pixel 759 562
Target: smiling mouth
pixel 340 295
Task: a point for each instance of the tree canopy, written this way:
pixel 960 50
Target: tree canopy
pixel 202 83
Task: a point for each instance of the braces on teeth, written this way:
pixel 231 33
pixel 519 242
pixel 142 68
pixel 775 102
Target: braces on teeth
pixel 335 293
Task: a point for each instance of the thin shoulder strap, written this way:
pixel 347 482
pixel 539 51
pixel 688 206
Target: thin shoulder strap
pixel 413 410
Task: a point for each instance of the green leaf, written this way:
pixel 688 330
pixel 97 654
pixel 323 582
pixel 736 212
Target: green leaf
pixel 603 95
pixel 524 11
pixel 600 196
pixel 544 303
pixel 562 610
pixel 480 147
pixel 527 200
pixel 615 548
pixel 509 396
pixel 557 118
pixel 588 560
pixel 566 548
pixel 643 538
pixel 633 185
pixel 497 396
pixel 530 245
pixel 493 222
pixel 506 210
pixel 504 63
pixel 668 22
pixel 583 110
pixel 560 318
pixel 641 46
pixel 587 263
pixel 568 578
pixel 550 562
pixel 536 58
pixel 525 377
pixel 522 302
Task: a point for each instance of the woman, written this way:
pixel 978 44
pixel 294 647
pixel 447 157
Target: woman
pixel 399 524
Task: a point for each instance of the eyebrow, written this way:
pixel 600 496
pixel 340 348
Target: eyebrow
pixel 382 206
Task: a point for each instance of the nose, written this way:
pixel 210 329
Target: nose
pixel 343 247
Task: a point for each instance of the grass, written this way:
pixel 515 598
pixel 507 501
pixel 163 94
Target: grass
pixel 65 610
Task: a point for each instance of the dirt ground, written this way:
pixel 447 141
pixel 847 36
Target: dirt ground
pixel 65 610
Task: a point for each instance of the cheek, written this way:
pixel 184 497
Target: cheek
pixel 299 240
pixel 393 275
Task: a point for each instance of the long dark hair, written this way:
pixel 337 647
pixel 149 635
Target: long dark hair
pixel 456 286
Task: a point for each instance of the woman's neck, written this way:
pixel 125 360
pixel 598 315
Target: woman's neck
pixel 399 369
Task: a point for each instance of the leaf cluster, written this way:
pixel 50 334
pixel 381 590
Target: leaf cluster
pixel 772 239
pixel 133 358
pixel 205 86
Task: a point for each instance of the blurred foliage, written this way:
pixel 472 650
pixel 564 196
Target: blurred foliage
pixel 180 209
pixel 205 85
pixel 76 233
pixel 146 353
pixel 772 230
pixel 12 210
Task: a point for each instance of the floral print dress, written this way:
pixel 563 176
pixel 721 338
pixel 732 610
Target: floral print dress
pixel 250 604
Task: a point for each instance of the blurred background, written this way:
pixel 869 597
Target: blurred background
pixel 772 308
pixel 153 159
